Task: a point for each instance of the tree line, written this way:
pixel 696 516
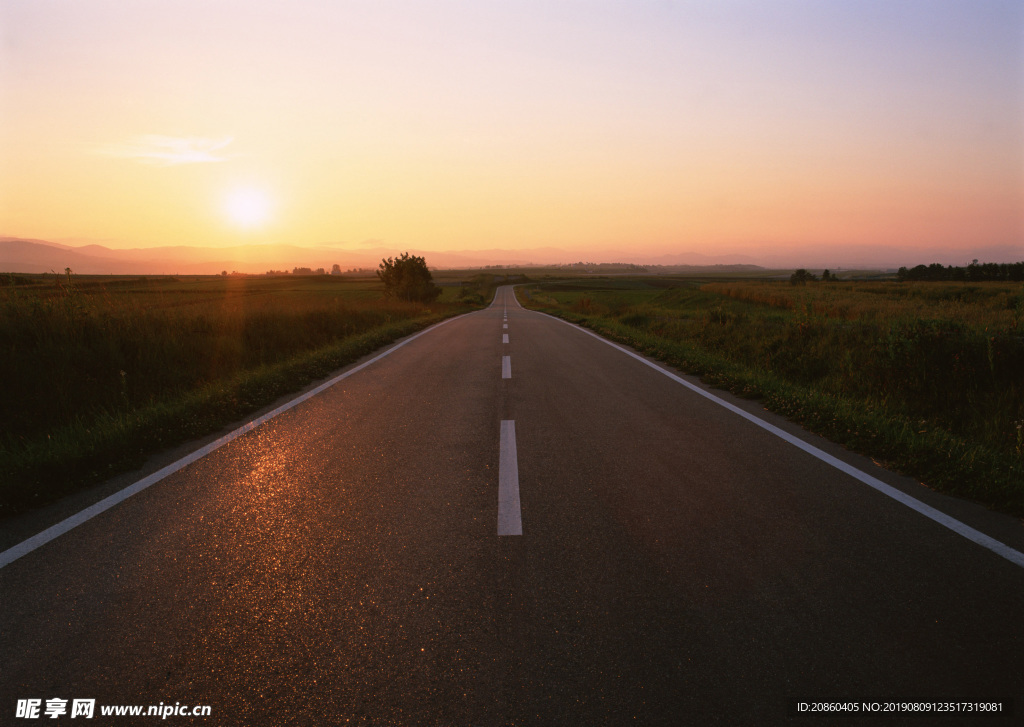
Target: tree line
pixel 973 273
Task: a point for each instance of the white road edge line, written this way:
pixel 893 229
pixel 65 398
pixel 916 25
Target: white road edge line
pixel 506 367
pixel 975 536
pixel 27 546
pixel 510 520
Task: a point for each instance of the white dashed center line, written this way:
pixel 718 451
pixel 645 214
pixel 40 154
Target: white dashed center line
pixel 510 521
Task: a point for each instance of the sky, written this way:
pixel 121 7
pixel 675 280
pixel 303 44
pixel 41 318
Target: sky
pixel 633 128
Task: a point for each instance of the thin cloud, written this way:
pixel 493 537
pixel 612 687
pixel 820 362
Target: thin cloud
pixel 168 151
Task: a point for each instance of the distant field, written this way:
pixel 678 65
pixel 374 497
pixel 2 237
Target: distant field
pixel 100 371
pixel 926 376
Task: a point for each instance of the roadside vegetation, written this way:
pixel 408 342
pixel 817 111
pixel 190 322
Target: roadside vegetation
pixel 927 378
pixel 407 277
pixel 100 372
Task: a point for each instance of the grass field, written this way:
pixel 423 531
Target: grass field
pixel 927 377
pixel 99 372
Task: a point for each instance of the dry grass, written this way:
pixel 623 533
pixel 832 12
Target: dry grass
pixel 997 306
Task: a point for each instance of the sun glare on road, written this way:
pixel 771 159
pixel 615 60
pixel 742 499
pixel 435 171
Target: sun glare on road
pixel 248 207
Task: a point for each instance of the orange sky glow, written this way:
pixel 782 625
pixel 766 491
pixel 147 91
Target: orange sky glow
pixel 794 131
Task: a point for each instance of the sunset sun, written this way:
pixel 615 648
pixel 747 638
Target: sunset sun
pixel 247 207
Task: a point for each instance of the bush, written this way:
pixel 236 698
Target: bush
pixel 408 278
pixel 801 276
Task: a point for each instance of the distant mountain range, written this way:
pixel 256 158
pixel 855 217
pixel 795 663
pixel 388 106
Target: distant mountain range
pixel 19 255
pixel 40 256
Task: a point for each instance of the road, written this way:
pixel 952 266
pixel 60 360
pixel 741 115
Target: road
pixel 677 564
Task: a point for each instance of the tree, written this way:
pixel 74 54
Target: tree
pixel 407 277
pixel 801 276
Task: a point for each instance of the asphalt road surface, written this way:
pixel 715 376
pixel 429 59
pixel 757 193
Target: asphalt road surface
pixel 357 559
